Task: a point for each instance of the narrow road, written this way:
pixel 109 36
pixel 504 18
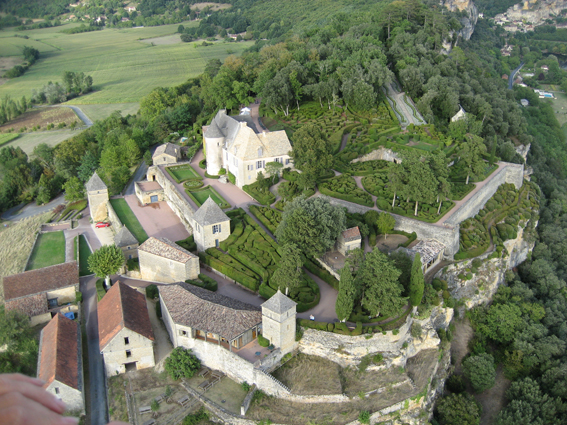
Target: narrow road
pixel 18 213
pixel 139 175
pixel 513 75
pixel 86 120
pixel 98 402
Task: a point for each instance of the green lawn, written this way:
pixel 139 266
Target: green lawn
pixel 84 254
pixel 29 141
pixel 128 218
pixel 124 69
pixel 103 110
pixel 183 172
pixel 7 137
pixel 201 195
pixel 49 250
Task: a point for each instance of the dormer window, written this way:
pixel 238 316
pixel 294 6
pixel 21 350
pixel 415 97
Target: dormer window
pixel 260 152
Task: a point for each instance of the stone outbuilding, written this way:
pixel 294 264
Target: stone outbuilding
pixel 191 313
pixel 278 321
pixel 348 240
pixel 165 154
pixel 149 192
pixel 235 144
pixel 126 241
pixel 211 225
pixel 60 363
pixel 97 195
pixel 162 260
pixel 430 251
pixel 38 293
pixel 125 331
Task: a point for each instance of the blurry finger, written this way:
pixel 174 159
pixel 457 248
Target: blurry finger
pixel 30 391
pixel 16 409
pixel 23 378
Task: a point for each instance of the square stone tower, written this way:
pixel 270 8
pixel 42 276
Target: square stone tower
pixel 97 194
pixel 278 321
pixel 211 225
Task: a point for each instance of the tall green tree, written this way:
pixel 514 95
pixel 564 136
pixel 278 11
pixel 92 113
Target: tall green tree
pixel 385 223
pixel 480 371
pixel 417 281
pixel 74 189
pixel 378 278
pixel 287 276
pixel 312 224
pixel 312 153
pixel 347 293
pixel 274 169
pixel 471 152
pixel 106 261
pixel 182 363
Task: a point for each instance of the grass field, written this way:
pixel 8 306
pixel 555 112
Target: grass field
pixel 183 173
pixel 84 254
pixel 42 117
pixel 103 110
pixel 559 104
pixel 16 243
pixel 124 69
pixel 201 195
pixel 49 250
pixel 30 140
pixel 5 138
pixel 128 218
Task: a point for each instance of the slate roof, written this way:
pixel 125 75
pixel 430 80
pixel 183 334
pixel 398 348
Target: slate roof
pixel 31 305
pixel 123 307
pixel 59 355
pixel 210 213
pixel 351 234
pixel 428 249
pixel 168 149
pixel 41 280
pixel 124 237
pixel 163 247
pixel 95 183
pixel 279 303
pixel 208 311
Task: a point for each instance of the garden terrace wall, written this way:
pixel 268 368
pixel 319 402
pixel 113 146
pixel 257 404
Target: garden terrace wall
pixel 382 153
pixel 116 223
pixel 509 173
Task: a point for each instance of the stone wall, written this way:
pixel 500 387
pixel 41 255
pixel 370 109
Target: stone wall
pixel 382 153
pixel 160 269
pixel 64 295
pixel 115 357
pixel 98 201
pixel 510 173
pixel 113 217
pixel 73 398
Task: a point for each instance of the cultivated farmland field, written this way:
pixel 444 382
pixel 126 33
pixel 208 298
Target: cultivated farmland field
pixel 49 250
pixel 103 110
pixel 42 117
pixel 29 141
pixel 124 68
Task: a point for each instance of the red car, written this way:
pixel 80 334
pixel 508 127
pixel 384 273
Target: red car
pixel 101 224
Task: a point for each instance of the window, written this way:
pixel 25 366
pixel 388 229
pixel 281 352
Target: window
pixel 250 167
pixel 165 160
pixel 260 164
pixel 277 160
pixel 227 155
pixel 126 341
pixel 260 152
pixel 235 161
pixel 286 161
pixel 216 228
pixel 56 390
pixel 182 333
pixel 52 303
pixel 128 353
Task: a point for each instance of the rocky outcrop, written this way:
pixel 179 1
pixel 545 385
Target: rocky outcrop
pixel 468 22
pixel 482 285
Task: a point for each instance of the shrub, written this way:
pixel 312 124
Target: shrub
pixel 364 417
pixel 152 291
pixel 378 358
pixel 158 310
pixel 246 386
pixel 416 330
pixel 263 341
pixel 479 370
pixel 182 363
pixel 78 296
pixel 458 409
pixel 330 327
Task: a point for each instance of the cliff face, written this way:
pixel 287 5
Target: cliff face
pixel 468 22
pixel 491 273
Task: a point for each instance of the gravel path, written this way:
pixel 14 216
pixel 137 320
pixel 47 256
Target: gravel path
pixel 86 120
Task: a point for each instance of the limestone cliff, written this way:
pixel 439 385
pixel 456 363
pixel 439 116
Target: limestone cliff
pixel 467 22
pixel 483 284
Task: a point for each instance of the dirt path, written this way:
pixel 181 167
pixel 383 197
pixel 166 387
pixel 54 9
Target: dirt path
pixel 492 400
pixel 344 141
pixel 460 344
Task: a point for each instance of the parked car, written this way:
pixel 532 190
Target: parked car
pixel 102 224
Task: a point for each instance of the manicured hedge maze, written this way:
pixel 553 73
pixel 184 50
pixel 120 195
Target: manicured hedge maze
pixel 365 168
pixel 344 187
pixel 500 218
pixel 269 217
pixel 260 190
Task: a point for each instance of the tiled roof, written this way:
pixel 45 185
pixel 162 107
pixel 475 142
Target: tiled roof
pixel 163 247
pixel 210 213
pixel 428 249
pixel 59 355
pixel 41 280
pixel 31 305
pixel 149 186
pixel 95 183
pixel 279 303
pixel 351 234
pixel 168 149
pixel 124 237
pixel 123 307
pixel 207 311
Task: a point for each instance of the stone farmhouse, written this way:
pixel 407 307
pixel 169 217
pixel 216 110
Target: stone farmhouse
pixel 60 362
pixel 235 144
pixel 125 331
pixel 168 153
pixel 39 293
pixel 212 225
pixel 125 240
pixel 193 313
pixel 97 194
pixel 348 240
pixel 162 260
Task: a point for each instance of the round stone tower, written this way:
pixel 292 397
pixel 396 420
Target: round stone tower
pixel 214 141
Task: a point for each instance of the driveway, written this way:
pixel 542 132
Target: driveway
pixel 86 120
pixel 18 213
pixel 158 219
pixel 140 174
pixel 98 402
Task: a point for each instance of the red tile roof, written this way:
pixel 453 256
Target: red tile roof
pixel 351 234
pixel 32 305
pixel 41 280
pixel 59 355
pixel 123 307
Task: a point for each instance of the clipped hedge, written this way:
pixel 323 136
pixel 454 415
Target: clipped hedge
pixel 240 277
pixel 260 190
pixel 205 282
pixel 321 273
